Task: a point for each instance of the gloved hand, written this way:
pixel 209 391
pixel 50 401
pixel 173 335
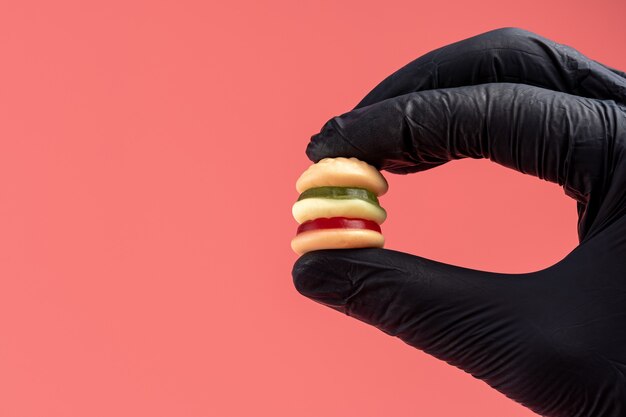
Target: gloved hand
pixel 552 340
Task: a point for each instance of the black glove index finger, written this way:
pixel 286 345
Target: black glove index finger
pixel 558 137
pixel 504 55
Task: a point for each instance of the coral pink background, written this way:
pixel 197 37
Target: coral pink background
pixel 148 154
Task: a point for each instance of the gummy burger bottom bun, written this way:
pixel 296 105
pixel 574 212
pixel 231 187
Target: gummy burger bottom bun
pixel 336 239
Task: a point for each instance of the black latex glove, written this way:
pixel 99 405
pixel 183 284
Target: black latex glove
pixel 552 340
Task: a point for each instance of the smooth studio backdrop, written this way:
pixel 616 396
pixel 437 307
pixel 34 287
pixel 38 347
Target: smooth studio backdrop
pixel 148 155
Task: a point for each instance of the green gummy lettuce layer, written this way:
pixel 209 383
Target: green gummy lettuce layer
pixel 340 193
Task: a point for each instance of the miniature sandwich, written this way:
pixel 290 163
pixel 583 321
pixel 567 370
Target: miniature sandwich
pixel 338 206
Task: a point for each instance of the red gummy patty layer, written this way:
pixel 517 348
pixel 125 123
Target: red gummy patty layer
pixel 338 223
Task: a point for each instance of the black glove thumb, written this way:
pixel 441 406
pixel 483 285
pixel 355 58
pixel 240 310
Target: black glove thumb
pixel 548 339
pixel 439 308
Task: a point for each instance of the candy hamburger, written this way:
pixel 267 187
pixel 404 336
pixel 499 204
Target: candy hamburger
pixel 338 206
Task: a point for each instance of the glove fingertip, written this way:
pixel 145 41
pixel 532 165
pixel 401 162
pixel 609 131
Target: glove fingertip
pixel 316 276
pixel 329 143
pixel 313 151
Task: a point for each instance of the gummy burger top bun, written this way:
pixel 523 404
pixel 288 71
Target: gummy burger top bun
pixel 342 172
